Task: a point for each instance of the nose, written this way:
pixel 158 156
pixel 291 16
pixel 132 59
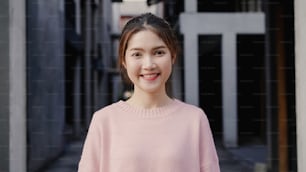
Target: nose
pixel 148 63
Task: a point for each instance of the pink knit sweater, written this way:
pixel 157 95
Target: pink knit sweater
pixel 172 138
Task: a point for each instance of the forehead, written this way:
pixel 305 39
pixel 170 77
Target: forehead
pixel 144 38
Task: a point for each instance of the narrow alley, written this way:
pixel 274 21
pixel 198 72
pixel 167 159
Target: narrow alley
pixel 242 62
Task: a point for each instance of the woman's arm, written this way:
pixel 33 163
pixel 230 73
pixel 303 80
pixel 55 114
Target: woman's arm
pixel 208 154
pixel 90 159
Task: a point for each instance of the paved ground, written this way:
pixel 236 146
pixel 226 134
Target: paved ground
pixel 69 160
pixel 230 163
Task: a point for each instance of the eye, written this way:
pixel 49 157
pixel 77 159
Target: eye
pixel 136 54
pixel 159 52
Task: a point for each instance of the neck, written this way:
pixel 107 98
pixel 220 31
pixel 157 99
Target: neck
pixel 148 101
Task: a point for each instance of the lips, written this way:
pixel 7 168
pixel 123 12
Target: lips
pixel 150 77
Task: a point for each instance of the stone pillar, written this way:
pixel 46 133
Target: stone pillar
pixel 229 89
pixel 300 71
pixel 12 86
pixel 191 6
pixel 191 73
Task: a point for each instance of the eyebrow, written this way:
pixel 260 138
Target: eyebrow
pixel 158 47
pixel 155 48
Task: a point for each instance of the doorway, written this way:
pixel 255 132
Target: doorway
pixel 251 89
pixel 210 80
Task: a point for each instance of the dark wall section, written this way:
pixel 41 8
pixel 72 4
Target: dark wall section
pixel 45 82
pixel 251 89
pixel 4 86
pixel 210 80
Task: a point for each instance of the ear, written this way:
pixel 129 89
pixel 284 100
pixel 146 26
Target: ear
pixel 173 59
pixel 124 64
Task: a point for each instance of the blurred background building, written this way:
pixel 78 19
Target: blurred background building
pixel 59 64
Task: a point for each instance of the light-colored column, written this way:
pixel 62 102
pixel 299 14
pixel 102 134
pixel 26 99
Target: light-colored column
pixel 17 82
pixel 300 72
pixel 229 89
pixel 191 6
pixel 191 68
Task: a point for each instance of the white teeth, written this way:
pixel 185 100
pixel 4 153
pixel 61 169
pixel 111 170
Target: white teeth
pixel 149 75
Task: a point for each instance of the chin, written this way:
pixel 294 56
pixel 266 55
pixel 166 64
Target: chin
pixel 151 90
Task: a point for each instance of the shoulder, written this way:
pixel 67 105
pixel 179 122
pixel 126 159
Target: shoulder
pixel 107 111
pixel 190 109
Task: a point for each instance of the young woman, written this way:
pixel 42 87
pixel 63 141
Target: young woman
pixel 149 132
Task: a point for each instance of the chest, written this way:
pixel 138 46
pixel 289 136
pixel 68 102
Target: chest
pixel 166 144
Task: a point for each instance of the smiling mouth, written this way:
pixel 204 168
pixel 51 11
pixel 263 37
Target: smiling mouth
pixel 150 77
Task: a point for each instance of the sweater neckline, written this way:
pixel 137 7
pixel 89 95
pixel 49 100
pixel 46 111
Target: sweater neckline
pixel 157 112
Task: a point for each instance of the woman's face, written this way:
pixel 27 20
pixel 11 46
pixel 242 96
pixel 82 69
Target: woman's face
pixel 148 62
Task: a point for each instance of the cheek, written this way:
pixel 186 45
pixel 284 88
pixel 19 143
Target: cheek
pixel 131 68
pixel 167 67
pixel 170 62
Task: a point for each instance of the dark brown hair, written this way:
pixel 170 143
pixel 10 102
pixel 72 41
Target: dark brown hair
pixel 150 22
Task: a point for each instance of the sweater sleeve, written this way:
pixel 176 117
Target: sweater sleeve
pixel 208 155
pixel 90 158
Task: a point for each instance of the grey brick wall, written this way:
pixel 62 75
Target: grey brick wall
pixel 45 81
pixel 4 86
